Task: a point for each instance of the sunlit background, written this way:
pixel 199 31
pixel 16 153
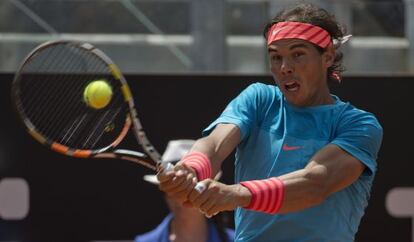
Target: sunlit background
pixel 198 36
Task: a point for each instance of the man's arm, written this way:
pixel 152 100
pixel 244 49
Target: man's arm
pixel 219 144
pixel 216 146
pixel 329 170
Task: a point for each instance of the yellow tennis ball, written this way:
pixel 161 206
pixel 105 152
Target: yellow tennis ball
pixel 97 94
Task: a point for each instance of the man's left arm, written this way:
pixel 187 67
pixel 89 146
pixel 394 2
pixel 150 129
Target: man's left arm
pixel 329 170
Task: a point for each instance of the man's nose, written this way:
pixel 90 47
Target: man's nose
pixel 286 67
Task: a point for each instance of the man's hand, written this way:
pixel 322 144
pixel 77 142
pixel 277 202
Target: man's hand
pixel 178 183
pixel 219 197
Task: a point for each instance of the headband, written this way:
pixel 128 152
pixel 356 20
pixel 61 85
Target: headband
pixel 298 30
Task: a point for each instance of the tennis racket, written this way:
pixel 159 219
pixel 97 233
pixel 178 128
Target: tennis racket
pixel 48 90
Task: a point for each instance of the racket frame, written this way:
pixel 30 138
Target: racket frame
pixel 150 159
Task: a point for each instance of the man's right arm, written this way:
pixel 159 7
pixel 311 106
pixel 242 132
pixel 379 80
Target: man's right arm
pixel 216 147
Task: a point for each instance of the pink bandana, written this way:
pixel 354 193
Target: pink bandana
pixel 298 30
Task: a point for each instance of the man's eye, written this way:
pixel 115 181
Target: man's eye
pixel 276 58
pixel 297 54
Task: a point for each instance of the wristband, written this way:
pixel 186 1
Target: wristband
pixel 200 163
pixel 267 195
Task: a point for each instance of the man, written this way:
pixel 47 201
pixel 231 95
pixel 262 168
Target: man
pixel 185 223
pixel 305 160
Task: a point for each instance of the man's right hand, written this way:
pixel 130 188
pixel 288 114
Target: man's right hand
pixel 178 183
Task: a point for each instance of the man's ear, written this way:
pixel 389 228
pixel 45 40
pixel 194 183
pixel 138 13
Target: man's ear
pixel 328 56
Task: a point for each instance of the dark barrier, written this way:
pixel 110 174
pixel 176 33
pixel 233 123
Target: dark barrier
pixel 82 200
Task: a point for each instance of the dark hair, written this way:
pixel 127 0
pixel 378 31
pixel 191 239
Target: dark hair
pixel 311 14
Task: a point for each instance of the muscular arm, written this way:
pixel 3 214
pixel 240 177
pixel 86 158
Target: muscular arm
pixel 219 144
pixel 328 171
pixel 216 146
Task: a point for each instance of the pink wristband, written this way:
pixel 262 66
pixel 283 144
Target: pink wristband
pixel 200 163
pixel 267 195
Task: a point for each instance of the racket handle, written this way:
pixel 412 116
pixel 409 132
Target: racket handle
pixel 200 187
pixel 167 166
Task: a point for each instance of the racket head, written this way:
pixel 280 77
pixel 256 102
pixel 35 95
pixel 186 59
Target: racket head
pixel 48 92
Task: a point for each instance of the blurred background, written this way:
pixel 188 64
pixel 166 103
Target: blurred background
pixel 192 36
pixel 168 49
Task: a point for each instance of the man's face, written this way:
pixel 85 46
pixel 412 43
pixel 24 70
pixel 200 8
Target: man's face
pixel 300 71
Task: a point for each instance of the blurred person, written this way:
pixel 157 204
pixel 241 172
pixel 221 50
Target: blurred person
pixel 305 159
pixel 185 223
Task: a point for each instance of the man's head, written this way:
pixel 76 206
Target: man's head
pixel 302 54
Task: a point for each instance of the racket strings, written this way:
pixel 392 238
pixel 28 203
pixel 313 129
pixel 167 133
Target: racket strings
pixel 53 82
pixel 30 72
pixel 48 95
pixel 78 111
pixel 55 104
pixel 57 95
pixel 105 122
pixel 77 134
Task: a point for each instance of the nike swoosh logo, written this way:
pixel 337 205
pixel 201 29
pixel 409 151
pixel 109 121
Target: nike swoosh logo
pixel 276 31
pixel 288 148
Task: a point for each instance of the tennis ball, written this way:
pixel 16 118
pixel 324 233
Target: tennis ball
pixel 97 94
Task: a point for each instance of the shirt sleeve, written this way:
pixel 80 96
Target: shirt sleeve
pixel 241 111
pixel 360 134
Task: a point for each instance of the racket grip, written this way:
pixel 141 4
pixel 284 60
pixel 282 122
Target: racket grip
pixel 167 166
pixel 200 187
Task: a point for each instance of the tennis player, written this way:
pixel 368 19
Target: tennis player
pixel 305 160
